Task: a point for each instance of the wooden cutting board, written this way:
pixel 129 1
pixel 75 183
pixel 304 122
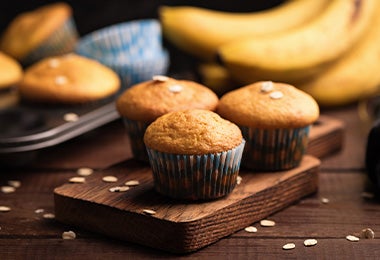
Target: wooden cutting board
pixel 179 226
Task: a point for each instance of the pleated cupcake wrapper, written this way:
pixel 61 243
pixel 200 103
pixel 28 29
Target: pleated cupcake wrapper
pixel 276 149
pixel 132 49
pixel 62 41
pixel 133 39
pixel 136 131
pixel 196 177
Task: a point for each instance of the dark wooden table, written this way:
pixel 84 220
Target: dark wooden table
pixel 25 234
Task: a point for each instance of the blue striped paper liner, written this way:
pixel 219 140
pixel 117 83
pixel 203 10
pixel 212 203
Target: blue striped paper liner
pixel 62 41
pixel 132 49
pixel 274 149
pixel 196 177
pixel 136 131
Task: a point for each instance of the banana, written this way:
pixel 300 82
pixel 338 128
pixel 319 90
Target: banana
pixel 216 77
pixel 302 52
pixel 201 31
pixel 354 76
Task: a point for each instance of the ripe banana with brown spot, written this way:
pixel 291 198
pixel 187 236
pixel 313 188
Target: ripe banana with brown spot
pixel 303 51
pixel 354 76
pixel 201 31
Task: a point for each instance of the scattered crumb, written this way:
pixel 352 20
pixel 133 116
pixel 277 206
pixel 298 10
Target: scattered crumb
pixel 119 189
pixel 310 242
pixel 38 211
pixel 8 189
pixel 325 200
pixel 352 238
pixel 238 179
pixel 267 223
pixel 77 180
pixel 84 171
pixel 69 235
pixel 4 209
pixel 368 233
pixel 289 246
pixel 132 183
pixel 71 117
pixel 149 211
pixel 48 215
pixel 109 179
pixel 14 183
pixel 251 229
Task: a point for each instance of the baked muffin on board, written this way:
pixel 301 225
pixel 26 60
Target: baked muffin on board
pixel 275 119
pixel 10 71
pixel 46 31
pixel 142 103
pixel 194 154
pixel 68 79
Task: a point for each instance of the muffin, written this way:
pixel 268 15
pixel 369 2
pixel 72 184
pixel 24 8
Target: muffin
pixel 275 119
pixel 194 154
pixel 132 49
pixel 141 104
pixel 68 79
pixel 10 71
pixel 46 31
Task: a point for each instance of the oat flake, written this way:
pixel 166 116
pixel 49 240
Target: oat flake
pixel 149 211
pixel 48 215
pixel 238 179
pixel 310 242
pixel 39 211
pixel 119 189
pixel 14 183
pixel 267 86
pixel 69 235
pixel 71 117
pixel 289 246
pixel 325 200
pixel 77 180
pixel 160 78
pixel 175 88
pixel 276 95
pixel 60 80
pixel 53 63
pixel 132 183
pixel 4 209
pixel 109 179
pixel 368 233
pixel 352 238
pixel 84 171
pixel 251 229
pixel 8 189
pixel 267 223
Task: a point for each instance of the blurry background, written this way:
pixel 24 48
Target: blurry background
pixel 91 15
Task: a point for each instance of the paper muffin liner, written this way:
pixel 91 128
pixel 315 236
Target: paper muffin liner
pixel 62 41
pixel 136 131
pixel 196 177
pixel 275 149
pixel 132 49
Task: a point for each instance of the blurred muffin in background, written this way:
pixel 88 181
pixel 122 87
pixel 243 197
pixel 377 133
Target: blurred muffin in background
pixel 45 31
pixel 68 79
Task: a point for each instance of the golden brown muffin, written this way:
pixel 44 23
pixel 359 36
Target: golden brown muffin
pixel 10 71
pixel 275 119
pixel 269 105
pixel 150 99
pixel 68 79
pixel 192 132
pixel 194 154
pixel 29 30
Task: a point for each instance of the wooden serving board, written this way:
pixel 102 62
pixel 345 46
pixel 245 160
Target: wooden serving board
pixel 326 136
pixel 178 226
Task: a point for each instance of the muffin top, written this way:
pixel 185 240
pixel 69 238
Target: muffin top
pixel 269 105
pixel 194 131
pixel 10 71
pixel 150 99
pixel 68 79
pixel 27 30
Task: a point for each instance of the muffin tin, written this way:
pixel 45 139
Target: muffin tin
pixel 26 127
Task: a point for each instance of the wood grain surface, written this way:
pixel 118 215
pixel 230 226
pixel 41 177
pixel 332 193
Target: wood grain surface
pixel 178 226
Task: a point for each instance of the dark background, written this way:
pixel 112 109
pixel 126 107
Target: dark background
pixel 90 15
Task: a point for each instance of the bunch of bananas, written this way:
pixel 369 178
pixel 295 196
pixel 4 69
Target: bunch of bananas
pixel 330 49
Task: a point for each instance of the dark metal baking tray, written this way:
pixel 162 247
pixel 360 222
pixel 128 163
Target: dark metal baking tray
pixel 26 127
